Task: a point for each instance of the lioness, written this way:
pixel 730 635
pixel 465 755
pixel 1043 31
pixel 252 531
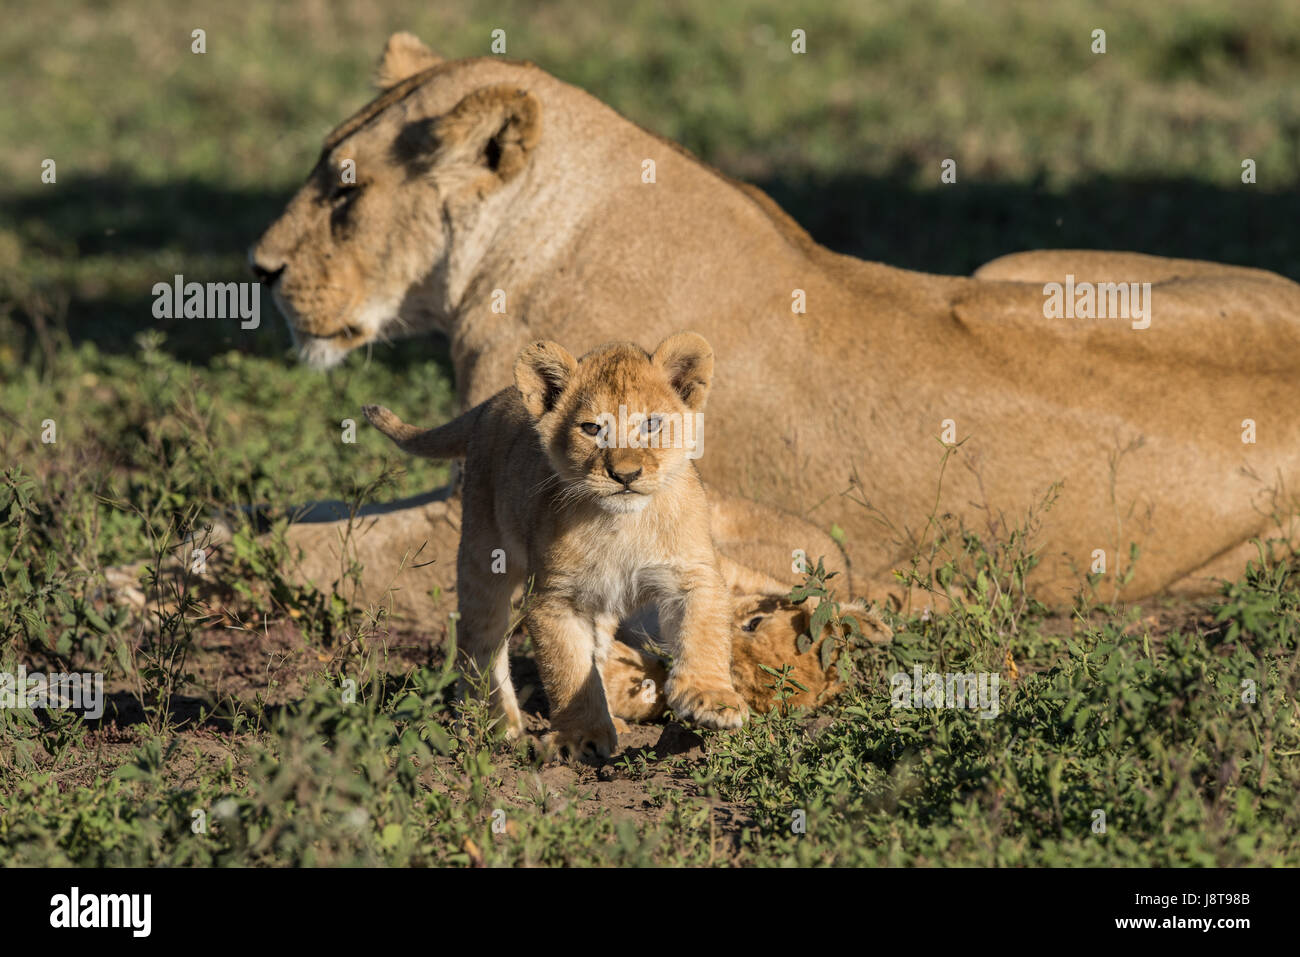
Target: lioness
pixel 495 204
pixel 603 515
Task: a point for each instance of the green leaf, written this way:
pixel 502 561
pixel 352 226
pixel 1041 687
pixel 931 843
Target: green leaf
pixel 851 623
pixel 95 620
pixel 820 617
pixel 800 593
pixel 390 836
pixel 1054 779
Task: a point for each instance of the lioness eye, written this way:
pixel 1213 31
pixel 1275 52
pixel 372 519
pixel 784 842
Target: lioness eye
pixel 591 428
pixel 752 624
pixel 342 191
pixel 651 424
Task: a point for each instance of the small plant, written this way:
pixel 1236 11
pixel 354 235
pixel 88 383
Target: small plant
pixel 639 768
pixel 834 631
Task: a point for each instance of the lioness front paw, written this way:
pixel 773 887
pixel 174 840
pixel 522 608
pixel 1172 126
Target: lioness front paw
pixel 719 708
pixel 598 742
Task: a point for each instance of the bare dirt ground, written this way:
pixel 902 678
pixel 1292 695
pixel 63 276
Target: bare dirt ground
pixel 259 666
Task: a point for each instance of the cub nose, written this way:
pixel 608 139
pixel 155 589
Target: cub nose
pixel 624 478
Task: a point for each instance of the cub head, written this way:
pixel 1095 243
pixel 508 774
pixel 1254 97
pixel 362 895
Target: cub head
pixel 620 424
pixel 766 632
pixel 362 250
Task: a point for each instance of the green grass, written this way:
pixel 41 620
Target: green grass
pixel 1116 743
pixel 172 162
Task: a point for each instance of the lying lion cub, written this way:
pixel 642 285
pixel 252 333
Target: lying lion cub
pixel 580 477
pixel 764 636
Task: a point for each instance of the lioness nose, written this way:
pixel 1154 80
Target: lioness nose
pixel 626 478
pixel 263 272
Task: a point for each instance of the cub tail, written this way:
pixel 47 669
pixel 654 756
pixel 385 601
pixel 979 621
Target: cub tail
pixel 447 441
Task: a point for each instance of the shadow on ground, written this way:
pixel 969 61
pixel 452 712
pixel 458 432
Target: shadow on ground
pixel 160 229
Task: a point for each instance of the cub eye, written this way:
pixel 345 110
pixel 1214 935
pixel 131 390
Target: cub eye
pixel 591 428
pixel 651 425
pixel 752 624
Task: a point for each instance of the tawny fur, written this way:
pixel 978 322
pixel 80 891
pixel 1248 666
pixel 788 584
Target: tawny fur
pixel 765 634
pixel 404 55
pixel 485 178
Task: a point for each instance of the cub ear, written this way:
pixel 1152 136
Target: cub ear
pixel 404 55
pixel 687 359
pixel 495 127
pixel 542 372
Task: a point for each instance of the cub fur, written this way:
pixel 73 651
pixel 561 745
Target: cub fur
pixel 764 635
pixel 559 486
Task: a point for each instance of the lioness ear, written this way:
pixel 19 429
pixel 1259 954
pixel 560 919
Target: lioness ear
pixel 495 127
pixel 542 371
pixel 404 55
pixel 687 360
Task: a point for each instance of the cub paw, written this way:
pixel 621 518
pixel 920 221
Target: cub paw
pixel 583 743
pixel 511 726
pixel 721 709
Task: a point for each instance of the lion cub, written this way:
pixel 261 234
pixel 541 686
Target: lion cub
pixel 581 476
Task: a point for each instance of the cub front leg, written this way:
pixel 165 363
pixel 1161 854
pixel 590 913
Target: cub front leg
pixel 484 645
pixel 698 623
pixel 570 648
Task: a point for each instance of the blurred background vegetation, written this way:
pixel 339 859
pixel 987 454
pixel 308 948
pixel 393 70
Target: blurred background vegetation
pixel 172 162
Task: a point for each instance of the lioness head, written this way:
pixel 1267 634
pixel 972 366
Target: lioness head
pixel 620 424
pixel 363 249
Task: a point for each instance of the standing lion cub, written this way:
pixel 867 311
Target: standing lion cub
pixel 581 476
